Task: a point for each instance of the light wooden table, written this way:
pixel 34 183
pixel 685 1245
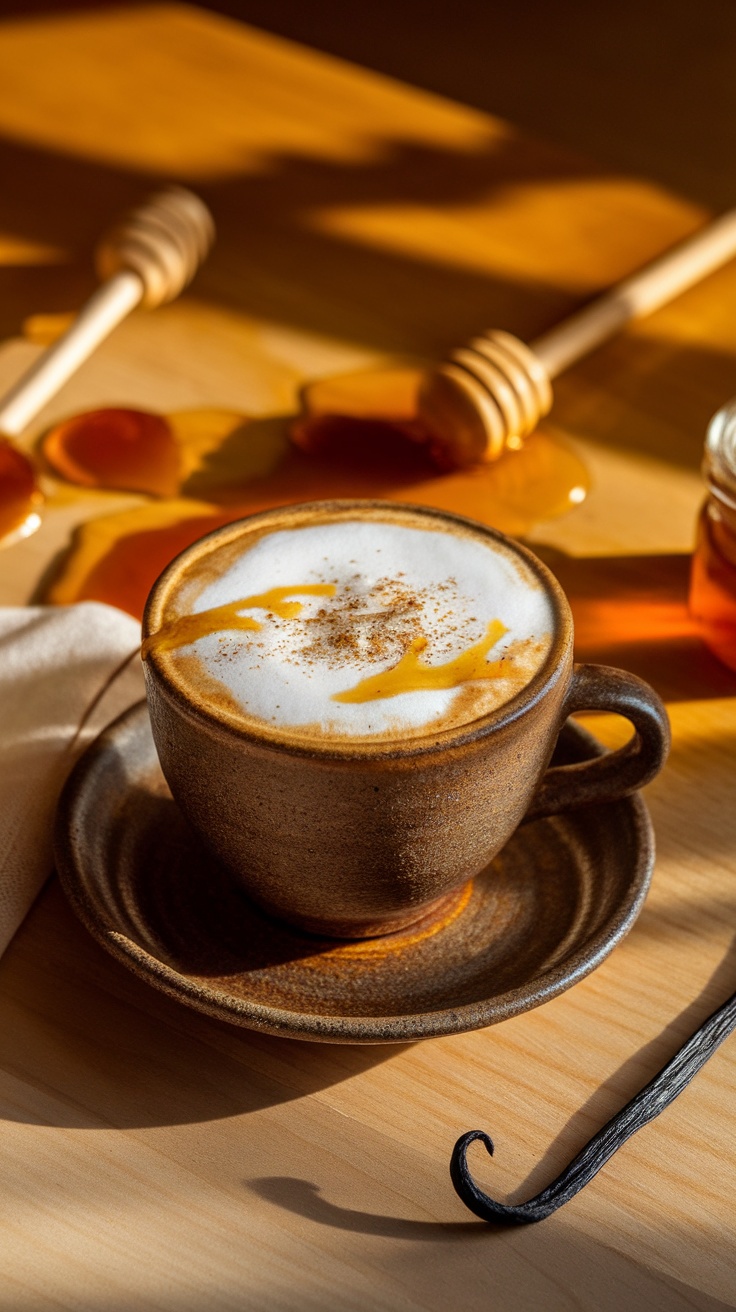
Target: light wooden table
pixel 149 1157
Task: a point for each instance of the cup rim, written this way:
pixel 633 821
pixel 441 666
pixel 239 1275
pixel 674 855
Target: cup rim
pixel 217 720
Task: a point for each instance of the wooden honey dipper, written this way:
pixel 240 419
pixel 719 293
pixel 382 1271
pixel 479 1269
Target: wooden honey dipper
pixel 489 395
pixel 147 259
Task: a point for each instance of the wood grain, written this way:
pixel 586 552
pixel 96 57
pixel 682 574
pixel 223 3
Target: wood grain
pixel 153 1159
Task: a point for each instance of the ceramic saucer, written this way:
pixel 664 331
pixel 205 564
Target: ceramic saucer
pixel 547 911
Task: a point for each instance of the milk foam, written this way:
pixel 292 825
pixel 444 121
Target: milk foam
pixel 392 585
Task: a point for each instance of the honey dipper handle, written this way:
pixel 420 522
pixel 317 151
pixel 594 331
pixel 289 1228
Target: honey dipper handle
pixel 148 258
pixel 638 295
pixel 104 311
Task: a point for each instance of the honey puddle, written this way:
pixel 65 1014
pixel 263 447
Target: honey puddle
pixel 356 437
pixel 119 449
pixel 20 496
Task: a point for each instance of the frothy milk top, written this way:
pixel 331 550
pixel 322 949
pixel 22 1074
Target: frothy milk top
pixel 362 628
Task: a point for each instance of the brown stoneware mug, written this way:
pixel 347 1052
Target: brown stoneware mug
pixel 358 838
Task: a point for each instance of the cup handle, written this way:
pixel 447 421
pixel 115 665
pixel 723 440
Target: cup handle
pixel 616 774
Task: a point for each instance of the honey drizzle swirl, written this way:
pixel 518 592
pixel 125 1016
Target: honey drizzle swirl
pixel 411 674
pixel 188 628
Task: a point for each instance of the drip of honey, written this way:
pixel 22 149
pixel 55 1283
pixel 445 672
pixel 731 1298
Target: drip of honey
pixel 20 496
pixel 116 558
pixel 358 436
pixel 125 450
pixel 188 628
pixel 412 674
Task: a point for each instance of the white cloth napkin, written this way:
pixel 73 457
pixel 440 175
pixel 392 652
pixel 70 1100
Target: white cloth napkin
pixel 65 672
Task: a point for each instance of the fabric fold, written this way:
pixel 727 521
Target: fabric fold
pixel 65 672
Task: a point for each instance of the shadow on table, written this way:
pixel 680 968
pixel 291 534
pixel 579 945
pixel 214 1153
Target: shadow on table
pixel 555 1251
pixel 277 260
pixel 272 259
pixel 631 1076
pixel 101 1048
pixel 631 611
pixel 545 1265
pixel 305 1198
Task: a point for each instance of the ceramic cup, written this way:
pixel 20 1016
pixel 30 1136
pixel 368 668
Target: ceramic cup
pixel 362 838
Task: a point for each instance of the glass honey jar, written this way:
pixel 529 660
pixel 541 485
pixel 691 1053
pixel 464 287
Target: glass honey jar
pixel 713 575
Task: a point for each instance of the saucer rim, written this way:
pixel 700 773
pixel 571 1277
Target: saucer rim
pixel 333 1027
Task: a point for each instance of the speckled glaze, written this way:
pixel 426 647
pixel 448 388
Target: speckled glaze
pixel 548 910
pixel 356 839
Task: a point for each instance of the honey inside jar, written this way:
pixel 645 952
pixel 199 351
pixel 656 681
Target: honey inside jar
pixel 713 580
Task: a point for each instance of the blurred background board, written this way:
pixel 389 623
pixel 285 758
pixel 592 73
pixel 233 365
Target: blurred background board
pixel 152 1158
pixel 646 90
